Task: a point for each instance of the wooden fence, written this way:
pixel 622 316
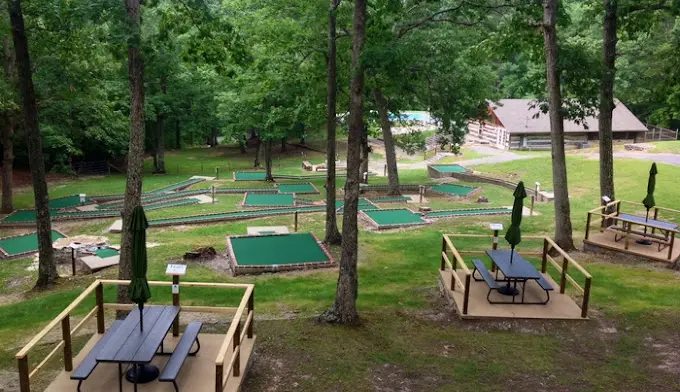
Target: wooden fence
pixel 456 263
pixel 657 134
pixel 237 332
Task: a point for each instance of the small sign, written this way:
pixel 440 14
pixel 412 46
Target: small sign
pixel 495 240
pixel 175 289
pixel 176 269
pixel 496 226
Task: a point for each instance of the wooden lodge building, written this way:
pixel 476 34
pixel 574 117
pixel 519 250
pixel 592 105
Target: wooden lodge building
pixel 513 124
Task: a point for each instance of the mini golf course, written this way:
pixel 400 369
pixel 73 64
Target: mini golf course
pixel 389 199
pixel 363 205
pixel 267 200
pixel 233 215
pixel 68 202
pixel 468 212
pixel 178 186
pixel 449 168
pixel 244 190
pixel 301 188
pixel 23 245
pixel 276 252
pixel 453 190
pixel 393 218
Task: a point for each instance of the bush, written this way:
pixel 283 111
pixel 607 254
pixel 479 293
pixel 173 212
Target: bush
pixel 411 142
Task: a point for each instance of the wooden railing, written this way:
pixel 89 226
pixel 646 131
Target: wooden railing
pixel 549 247
pixel 609 214
pixel 237 332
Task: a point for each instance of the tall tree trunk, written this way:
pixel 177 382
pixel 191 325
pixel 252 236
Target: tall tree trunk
pixel 344 309
pixel 8 131
pixel 135 159
pixel 284 144
pixel 607 99
pixel 268 160
pixel 47 269
pixel 390 155
pixel 258 147
pixel 563 228
pixel 365 150
pixel 160 133
pixel 333 236
pixel 178 135
pixel 213 136
pixel 242 143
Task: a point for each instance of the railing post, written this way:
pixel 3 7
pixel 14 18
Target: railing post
pixel 494 246
pixel 656 217
pixel 251 308
pixel 99 294
pixel 466 294
pixel 24 383
pixel 236 370
pixel 175 302
pixel 219 376
pixel 588 225
pixel 586 298
pixel 443 264
pixel 66 336
pixel 670 246
pixel 563 278
pixel 544 262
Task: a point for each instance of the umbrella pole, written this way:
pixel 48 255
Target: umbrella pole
pixel 141 317
pixel 644 240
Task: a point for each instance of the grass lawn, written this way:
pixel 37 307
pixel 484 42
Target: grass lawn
pixel 409 340
pixel 467 154
pixel 667 147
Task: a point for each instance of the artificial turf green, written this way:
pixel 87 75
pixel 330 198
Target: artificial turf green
pixel 268 200
pixel 277 249
pixel 106 252
pixel 390 199
pixel 469 212
pixel 67 202
pixel 24 244
pixel 250 176
pixel 297 188
pixel 179 185
pixel 235 215
pixel 363 205
pixel 449 168
pixel 453 189
pixel 394 217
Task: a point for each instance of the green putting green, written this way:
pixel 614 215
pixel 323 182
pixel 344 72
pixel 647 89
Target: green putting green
pixel 449 168
pixel 244 190
pixel 249 176
pixel 20 216
pixel 67 202
pixel 279 249
pixel 235 215
pixel 394 218
pixel 453 189
pixel 469 212
pixel 390 199
pixel 268 200
pixel 363 205
pixel 23 244
pixel 106 252
pixel 302 188
pixel 179 185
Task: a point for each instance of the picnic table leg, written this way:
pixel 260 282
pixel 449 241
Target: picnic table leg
pixel 628 227
pixel 120 377
pixel 670 246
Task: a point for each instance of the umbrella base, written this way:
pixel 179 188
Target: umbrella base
pixel 508 290
pixel 142 374
pixel 644 242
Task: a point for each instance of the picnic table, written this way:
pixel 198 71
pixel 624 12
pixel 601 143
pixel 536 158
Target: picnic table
pixel 629 220
pixel 517 271
pixel 131 345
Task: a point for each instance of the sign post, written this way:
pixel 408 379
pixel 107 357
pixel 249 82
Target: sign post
pixel 496 227
pixel 175 270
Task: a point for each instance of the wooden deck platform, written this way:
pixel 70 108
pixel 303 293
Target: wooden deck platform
pixel 605 241
pixel 560 307
pixel 197 374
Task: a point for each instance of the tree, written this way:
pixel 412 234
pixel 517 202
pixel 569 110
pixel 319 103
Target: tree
pixel 47 269
pixel 333 236
pixel 8 114
pixel 135 158
pixel 563 228
pixel 609 39
pixel 388 139
pixel 344 309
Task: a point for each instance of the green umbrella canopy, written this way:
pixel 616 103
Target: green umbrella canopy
pixel 651 184
pixel 138 292
pixel 514 234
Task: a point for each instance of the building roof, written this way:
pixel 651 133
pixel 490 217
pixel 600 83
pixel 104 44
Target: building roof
pixel 517 116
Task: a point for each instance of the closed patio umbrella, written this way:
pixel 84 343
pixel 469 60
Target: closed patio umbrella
pixel 139 292
pixel 514 234
pixel 649 201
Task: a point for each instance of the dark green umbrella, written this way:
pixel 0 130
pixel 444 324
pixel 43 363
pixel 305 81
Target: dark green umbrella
pixel 514 234
pixel 139 292
pixel 649 199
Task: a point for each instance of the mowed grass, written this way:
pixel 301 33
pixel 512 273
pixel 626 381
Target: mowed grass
pixel 409 339
pixel 672 147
